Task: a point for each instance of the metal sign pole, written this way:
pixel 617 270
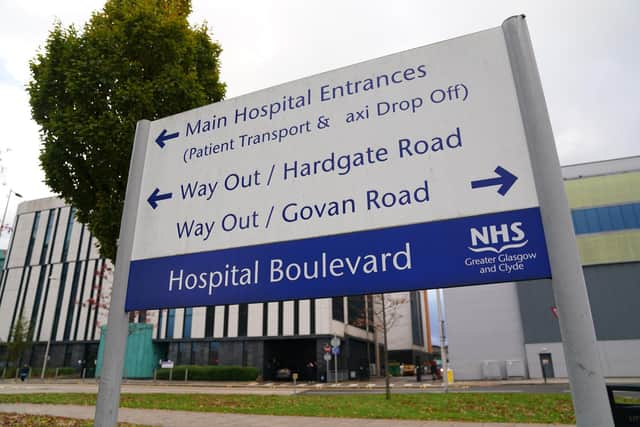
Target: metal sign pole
pixel 117 327
pixel 576 324
pixel 443 349
pixel 336 367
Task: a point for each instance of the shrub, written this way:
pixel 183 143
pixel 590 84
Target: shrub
pixel 210 373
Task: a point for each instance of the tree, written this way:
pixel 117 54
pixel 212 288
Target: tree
pixel 19 341
pixel 133 60
pixel 386 313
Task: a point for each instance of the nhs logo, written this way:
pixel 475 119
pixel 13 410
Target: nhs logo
pixel 497 238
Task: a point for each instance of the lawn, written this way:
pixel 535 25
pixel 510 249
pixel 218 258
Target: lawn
pixel 479 407
pixel 24 420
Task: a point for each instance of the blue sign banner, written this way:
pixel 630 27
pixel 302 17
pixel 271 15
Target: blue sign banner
pixel 492 248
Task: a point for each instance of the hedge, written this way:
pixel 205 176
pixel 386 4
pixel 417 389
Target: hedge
pixel 210 373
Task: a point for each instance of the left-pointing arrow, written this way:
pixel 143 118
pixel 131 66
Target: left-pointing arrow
pixel 163 137
pixel 156 196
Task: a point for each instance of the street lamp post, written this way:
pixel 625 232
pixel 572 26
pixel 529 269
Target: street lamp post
pixel 6 207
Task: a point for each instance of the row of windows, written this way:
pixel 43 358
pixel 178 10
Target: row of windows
pixel 606 218
pixel 243 320
pixel 32 298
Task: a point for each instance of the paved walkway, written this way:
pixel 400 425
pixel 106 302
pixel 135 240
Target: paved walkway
pixel 207 419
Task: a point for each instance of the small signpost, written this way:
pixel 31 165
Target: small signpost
pixel 429 168
pixel 327 358
pixel 335 350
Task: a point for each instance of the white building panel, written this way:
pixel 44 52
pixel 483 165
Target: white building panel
pixel 95 250
pixel 43 292
pixel 179 322
pixel 287 320
pixel 83 299
pixel 19 245
pixel 39 238
pixel 59 240
pixel 303 316
pixel 272 328
pixel 65 302
pixel 323 316
pixel 87 240
pixel 9 302
pixel 233 321
pixel 76 302
pixel 197 322
pixel 50 303
pixel 72 252
pixel 29 292
pixel 218 323
pixel 254 326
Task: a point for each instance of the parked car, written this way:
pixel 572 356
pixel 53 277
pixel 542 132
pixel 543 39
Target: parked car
pixel 407 369
pixel 283 374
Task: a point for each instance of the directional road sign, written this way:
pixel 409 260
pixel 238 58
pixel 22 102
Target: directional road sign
pixel 410 171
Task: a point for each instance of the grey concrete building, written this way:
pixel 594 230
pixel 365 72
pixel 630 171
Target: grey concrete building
pixel 511 330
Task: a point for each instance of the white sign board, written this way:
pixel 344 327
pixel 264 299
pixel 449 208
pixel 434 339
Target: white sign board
pixel 404 172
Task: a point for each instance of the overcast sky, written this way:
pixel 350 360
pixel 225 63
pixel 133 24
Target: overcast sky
pixel 586 52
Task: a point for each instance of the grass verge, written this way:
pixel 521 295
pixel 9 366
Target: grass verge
pixel 478 407
pixel 22 420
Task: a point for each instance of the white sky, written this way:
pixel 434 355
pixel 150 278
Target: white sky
pixel 586 52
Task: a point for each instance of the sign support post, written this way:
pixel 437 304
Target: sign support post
pixel 443 345
pixel 117 327
pixel 588 387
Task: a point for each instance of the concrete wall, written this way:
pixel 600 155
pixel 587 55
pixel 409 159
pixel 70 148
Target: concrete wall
pixel 619 358
pixel 483 324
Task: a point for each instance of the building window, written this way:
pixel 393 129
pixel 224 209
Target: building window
pixel 171 320
pixel 416 319
pixel 337 308
pixel 209 319
pixel 370 318
pixel 243 317
pixel 67 235
pixel 47 238
pixel 160 319
pixel 32 239
pixel 312 317
pixel 214 353
pixel 265 319
pixel 606 218
pixel 357 310
pixel 186 325
pixel 184 353
pixel 225 323
pixel 280 318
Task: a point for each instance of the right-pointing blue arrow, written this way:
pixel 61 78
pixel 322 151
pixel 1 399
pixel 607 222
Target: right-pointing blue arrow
pixel 163 137
pixel 505 180
pixel 156 196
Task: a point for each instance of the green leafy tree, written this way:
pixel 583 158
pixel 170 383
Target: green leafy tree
pixel 19 341
pixel 133 60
